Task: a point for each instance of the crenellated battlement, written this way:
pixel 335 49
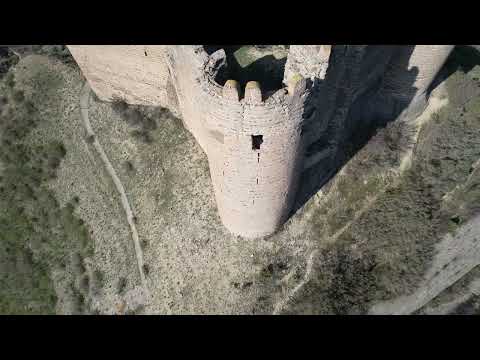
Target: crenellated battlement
pixel 231 90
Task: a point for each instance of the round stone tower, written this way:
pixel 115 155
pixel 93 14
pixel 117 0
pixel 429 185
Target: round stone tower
pixel 252 139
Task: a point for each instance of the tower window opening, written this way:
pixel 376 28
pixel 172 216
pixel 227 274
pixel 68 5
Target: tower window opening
pixel 257 141
pixel 145 53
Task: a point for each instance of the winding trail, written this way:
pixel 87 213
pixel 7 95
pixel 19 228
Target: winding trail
pixel 84 105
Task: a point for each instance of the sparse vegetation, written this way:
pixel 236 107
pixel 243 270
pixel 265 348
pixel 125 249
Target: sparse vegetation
pixel 98 280
pixel 9 80
pixel 36 233
pixel 84 284
pixel 142 119
pixel 129 168
pixel 385 252
pixel 90 139
pixel 18 96
pixel 59 52
pixel 7 60
pixel 122 284
pixel 469 307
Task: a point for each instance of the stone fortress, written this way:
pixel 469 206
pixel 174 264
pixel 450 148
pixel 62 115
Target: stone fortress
pixel 263 138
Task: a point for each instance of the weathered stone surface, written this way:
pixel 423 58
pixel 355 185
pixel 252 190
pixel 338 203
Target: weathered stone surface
pixel 135 73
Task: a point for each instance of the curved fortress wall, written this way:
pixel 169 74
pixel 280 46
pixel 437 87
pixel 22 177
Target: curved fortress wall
pixel 253 144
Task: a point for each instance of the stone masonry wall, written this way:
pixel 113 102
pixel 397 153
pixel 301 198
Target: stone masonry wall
pixel 254 188
pixel 135 73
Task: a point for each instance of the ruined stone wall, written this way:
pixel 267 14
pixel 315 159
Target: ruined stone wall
pixel 412 70
pixel 135 73
pixel 335 93
pixel 310 61
pixel 404 85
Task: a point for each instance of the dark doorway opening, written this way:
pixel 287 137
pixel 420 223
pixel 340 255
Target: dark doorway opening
pixel 257 141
